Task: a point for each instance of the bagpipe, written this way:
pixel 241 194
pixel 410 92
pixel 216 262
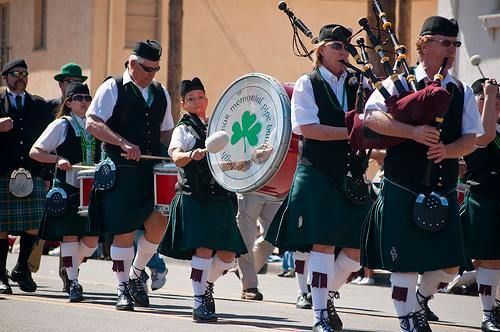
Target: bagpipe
pixel 414 107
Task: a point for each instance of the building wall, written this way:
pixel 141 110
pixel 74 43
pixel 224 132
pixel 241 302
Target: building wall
pixel 68 40
pixel 222 39
pixel 476 39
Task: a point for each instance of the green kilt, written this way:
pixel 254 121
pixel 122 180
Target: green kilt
pixel 194 224
pixel 481 223
pixel 54 228
pixel 124 207
pixel 21 214
pixel 391 240
pixel 316 212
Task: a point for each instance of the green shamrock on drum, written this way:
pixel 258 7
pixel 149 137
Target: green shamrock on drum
pixel 248 130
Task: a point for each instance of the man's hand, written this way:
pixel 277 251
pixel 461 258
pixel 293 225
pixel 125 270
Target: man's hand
pixel 491 88
pixel 427 135
pixel 133 151
pixel 6 124
pixel 63 164
pixel 437 153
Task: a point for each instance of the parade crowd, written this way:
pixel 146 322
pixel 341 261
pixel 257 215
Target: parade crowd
pixel 329 223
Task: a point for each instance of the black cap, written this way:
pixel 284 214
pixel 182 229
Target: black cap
pixel 438 25
pixel 332 32
pixel 477 86
pixel 150 49
pixel 188 86
pixel 13 64
pixel 77 88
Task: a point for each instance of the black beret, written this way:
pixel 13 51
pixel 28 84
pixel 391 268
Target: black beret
pixel 438 25
pixel 477 86
pixel 188 86
pixel 77 88
pixel 150 49
pixel 333 32
pixel 13 64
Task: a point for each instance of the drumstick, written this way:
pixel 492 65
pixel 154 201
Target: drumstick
pixel 82 167
pixel 145 156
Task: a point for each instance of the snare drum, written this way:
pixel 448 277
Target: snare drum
pixel 86 180
pixel 255 112
pixel 165 178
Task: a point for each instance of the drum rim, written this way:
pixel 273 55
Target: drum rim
pixel 165 168
pixel 282 147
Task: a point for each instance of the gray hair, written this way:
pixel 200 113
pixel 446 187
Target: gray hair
pixel 136 58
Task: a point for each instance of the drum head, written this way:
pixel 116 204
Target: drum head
pixel 165 168
pixel 255 112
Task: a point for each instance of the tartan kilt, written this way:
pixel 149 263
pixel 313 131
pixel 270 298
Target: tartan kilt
pixel 21 214
pixel 391 240
pixel 54 228
pixel 194 224
pixel 316 212
pixel 124 207
pixel 481 224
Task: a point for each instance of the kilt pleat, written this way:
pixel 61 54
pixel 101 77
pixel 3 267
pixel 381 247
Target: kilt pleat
pixel 194 224
pixel 20 214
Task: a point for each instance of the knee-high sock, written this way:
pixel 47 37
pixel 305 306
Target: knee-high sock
pixel 199 275
pixel 403 297
pixel 69 256
pixel 26 246
pixel 122 260
pixel 84 251
pixel 320 270
pixel 4 250
pixel 430 282
pixel 487 282
pixel 218 268
pixel 342 269
pixel 301 268
pixel 145 250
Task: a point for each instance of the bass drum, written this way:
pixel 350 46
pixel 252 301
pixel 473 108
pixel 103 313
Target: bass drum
pixel 262 151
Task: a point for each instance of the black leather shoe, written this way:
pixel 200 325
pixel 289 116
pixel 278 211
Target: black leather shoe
pixel 323 325
pixel 208 298
pixel 203 315
pixel 75 292
pixel 303 302
pixel 333 316
pixel 4 284
pixel 424 304
pixel 420 323
pixel 138 293
pixel 490 325
pixel 252 294
pixel 124 302
pixel 23 279
pixel 65 280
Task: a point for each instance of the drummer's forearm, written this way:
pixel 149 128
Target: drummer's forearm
pixel 323 132
pixel 102 132
pixel 43 156
pixel 181 158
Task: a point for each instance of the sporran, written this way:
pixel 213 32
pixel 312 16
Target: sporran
pixel 21 183
pixel 430 212
pixel 105 175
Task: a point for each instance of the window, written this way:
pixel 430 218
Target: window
pixel 142 21
pixel 4 34
pixel 40 26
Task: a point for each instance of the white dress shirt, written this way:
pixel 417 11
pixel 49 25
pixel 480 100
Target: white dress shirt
pixel 183 138
pixel 55 134
pixel 107 94
pixel 304 108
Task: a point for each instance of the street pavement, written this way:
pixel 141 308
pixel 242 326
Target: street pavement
pixel 362 308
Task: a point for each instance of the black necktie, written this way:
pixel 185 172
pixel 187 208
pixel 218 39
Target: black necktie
pixel 19 103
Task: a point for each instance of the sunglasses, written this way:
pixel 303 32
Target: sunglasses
pixel 17 73
pixel 448 43
pixel 80 98
pixel 149 69
pixel 336 46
